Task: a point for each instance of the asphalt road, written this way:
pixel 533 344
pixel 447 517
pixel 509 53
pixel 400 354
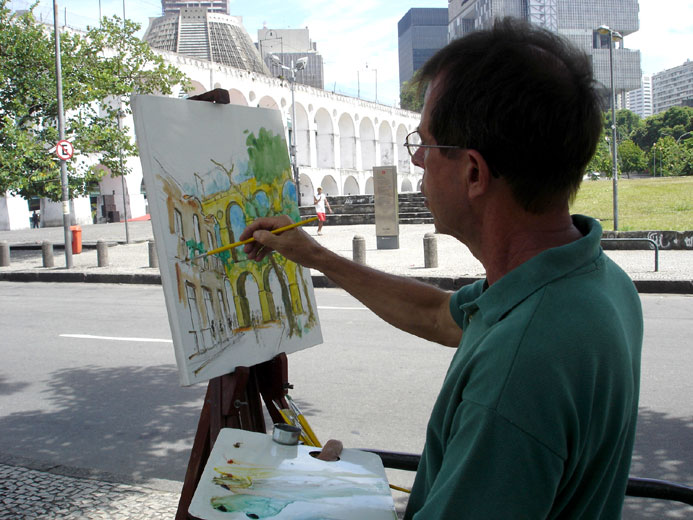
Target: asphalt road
pixel 89 380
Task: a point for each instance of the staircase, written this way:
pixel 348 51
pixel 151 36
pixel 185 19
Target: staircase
pixel 360 209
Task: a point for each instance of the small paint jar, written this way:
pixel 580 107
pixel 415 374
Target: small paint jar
pixel 286 434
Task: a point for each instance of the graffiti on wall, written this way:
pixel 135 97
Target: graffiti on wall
pixel 210 170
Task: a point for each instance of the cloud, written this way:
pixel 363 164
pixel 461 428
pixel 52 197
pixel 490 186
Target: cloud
pixel 665 35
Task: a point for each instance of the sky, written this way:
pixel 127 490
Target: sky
pixel 358 40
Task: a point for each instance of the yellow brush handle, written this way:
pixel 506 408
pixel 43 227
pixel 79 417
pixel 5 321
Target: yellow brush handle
pixel 251 239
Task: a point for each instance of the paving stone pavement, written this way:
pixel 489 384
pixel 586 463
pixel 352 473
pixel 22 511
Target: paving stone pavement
pixel 30 494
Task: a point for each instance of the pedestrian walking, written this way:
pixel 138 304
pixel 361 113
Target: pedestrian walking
pixel 320 201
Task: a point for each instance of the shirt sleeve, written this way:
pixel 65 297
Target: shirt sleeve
pixel 491 470
pixel 463 296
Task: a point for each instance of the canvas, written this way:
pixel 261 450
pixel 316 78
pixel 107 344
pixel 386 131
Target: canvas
pixel 209 170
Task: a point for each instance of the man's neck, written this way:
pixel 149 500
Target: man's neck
pixel 522 237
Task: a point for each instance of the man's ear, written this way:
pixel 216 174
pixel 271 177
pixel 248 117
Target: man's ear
pixel 477 173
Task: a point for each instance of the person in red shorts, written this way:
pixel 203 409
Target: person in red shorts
pixel 320 201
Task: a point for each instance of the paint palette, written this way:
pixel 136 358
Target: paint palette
pixel 248 475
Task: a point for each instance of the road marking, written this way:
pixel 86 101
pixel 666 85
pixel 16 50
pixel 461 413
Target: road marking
pixel 326 308
pixel 115 338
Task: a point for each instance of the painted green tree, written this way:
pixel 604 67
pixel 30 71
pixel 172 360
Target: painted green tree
pixel 269 161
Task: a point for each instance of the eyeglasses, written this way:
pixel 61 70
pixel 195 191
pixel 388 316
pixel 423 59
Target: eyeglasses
pixel 413 147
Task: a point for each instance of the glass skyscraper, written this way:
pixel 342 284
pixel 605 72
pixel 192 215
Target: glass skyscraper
pixel 576 20
pixel 421 32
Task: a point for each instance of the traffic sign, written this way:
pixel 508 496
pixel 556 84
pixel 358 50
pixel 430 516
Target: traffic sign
pixel 64 150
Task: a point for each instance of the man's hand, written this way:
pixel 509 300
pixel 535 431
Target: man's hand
pixel 294 244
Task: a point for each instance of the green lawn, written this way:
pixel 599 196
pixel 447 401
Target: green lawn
pixel 662 203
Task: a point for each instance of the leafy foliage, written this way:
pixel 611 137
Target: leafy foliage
pixel 631 158
pixel 100 71
pixel 411 96
pixel 660 144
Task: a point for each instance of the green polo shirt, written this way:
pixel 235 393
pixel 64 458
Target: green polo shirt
pixel 536 416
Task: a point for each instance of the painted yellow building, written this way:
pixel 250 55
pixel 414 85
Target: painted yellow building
pixel 225 293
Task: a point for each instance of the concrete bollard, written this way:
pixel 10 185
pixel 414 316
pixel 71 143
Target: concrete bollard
pixel 359 249
pixel 4 253
pixel 153 258
pixel 430 250
pixel 47 253
pixel 102 253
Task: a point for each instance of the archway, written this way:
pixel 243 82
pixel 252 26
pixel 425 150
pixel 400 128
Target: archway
pixel 403 159
pixel 367 139
pixel 235 224
pixel 268 102
pixel 387 147
pixel 236 97
pixel 347 142
pixel 302 136
pixel 369 186
pixel 406 186
pixel 197 88
pixel 329 186
pixel 351 186
pixel 307 190
pixel 248 301
pixel 324 139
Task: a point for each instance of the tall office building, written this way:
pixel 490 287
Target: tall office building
pixel 201 34
pixel 213 6
pixel 576 20
pixel 639 100
pixel 421 32
pixel 673 87
pixel 289 45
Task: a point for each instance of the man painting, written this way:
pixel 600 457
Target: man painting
pixel 536 416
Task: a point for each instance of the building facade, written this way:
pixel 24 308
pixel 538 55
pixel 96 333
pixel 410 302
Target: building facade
pixel 339 140
pixel 290 45
pixel 639 100
pixel 577 20
pixel 214 6
pixel 421 32
pixel 200 33
pixel 673 87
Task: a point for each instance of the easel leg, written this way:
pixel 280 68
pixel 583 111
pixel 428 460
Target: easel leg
pixel 233 401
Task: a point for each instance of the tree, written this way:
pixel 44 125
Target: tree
pixel 100 71
pixel 626 123
pixel 601 160
pixel 671 158
pixel 674 122
pixel 411 95
pixel 631 157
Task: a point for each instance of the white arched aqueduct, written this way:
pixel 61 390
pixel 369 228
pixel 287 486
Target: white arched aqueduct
pixel 339 139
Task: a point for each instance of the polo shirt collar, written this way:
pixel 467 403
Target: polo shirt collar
pixel 537 272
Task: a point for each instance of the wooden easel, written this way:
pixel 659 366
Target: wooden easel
pixel 233 401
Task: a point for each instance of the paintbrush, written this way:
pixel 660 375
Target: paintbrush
pixel 247 241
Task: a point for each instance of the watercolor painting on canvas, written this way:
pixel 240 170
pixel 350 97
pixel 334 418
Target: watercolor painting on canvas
pixel 209 170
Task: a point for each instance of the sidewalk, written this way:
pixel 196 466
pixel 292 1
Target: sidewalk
pixel 129 263
pixel 32 491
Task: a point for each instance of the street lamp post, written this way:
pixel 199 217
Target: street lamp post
pixel 300 65
pixel 683 135
pixel 613 36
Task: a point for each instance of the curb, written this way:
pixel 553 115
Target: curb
pixel 319 281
